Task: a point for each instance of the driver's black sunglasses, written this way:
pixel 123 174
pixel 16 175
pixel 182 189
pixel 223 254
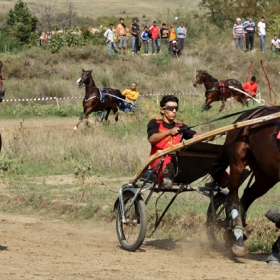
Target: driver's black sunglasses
pixel 171 108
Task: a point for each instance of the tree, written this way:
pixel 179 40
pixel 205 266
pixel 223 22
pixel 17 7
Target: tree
pixel 223 13
pixel 21 24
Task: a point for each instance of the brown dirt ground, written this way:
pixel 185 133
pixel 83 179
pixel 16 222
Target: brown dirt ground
pixel 32 247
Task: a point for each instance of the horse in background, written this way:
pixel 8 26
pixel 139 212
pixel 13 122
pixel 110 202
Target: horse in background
pixel 256 146
pixel 219 90
pixel 2 89
pixel 97 99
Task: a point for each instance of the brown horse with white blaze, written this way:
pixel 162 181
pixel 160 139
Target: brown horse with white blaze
pixel 98 99
pixel 2 88
pixel 256 146
pixel 219 90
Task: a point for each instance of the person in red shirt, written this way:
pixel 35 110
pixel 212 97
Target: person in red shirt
pixel 155 37
pixel 164 133
pixel 251 87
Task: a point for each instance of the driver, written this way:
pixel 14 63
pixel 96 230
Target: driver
pixel 164 133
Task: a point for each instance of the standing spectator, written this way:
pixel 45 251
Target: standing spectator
pixel 109 35
pixel 182 32
pixel 164 34
pixel 262 33
pixel 134 31
pixel 238 34
pixel 146 37
pixel 249 28
pixel 121 33
pixel 172 36
pixel 155 37
pixel 275 45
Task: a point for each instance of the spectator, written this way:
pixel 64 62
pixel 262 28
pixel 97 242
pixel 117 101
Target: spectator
pixel 164 34
pixel 175 48
pixel 121 33
pixel 172 36
pixel 134 31
pixel 249 28
pixel 262 33
pixel 251 87
pixel 146 37
pixel 131 95
pixel 155 37
pixel 275 45
pixel 238 34
pixel 109 35
pixel 182 32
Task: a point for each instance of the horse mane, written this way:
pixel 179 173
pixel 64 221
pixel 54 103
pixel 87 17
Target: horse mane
pixel 212 79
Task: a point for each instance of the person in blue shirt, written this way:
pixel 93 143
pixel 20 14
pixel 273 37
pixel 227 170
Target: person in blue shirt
pixel 145 36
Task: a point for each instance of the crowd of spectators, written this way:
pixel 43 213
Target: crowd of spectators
pixel 171 39
pixel 247 31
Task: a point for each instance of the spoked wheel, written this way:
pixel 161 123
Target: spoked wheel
pixel 132 232
pixel 218 225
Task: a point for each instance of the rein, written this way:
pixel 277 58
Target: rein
pixel 215 120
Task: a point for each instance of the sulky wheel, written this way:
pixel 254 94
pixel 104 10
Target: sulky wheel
pixel 132 232
pixel 219 228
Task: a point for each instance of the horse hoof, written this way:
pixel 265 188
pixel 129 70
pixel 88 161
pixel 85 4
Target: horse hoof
pixel 273 263
pixel 273 259
pixel 238 250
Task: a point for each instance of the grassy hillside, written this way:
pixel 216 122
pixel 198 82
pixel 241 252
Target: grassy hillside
pixel 110 7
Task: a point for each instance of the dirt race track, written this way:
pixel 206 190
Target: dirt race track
pixel 32 247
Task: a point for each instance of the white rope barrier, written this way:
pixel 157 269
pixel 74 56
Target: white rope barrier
pixel 40 99
pixel 80 97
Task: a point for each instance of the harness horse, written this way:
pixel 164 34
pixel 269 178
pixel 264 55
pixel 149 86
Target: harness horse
pixel 97 99
pixel 219 90
pixel 256 146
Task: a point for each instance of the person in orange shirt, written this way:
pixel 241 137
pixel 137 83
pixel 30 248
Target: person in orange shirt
pixel 251 87
pixel 172 36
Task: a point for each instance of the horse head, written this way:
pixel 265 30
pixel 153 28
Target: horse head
pixel 2 88
pixel 85 79
pixel 199 79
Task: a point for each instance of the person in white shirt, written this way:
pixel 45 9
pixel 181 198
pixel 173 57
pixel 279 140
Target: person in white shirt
pixel 109 35
pixel 262 33
pixel 182 32
pixel 275 44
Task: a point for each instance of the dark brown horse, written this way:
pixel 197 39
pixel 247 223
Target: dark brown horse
pixel 256 146
pixel 2 89
pixel 219 90
pixel 97 99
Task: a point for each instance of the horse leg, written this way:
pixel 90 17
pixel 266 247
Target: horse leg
pixel 80 120
pixel 263 183
pixel 206 106
pixel 87 111
pixel 236 171
pixel 108 110
pixel 116 113
pixel 223 105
